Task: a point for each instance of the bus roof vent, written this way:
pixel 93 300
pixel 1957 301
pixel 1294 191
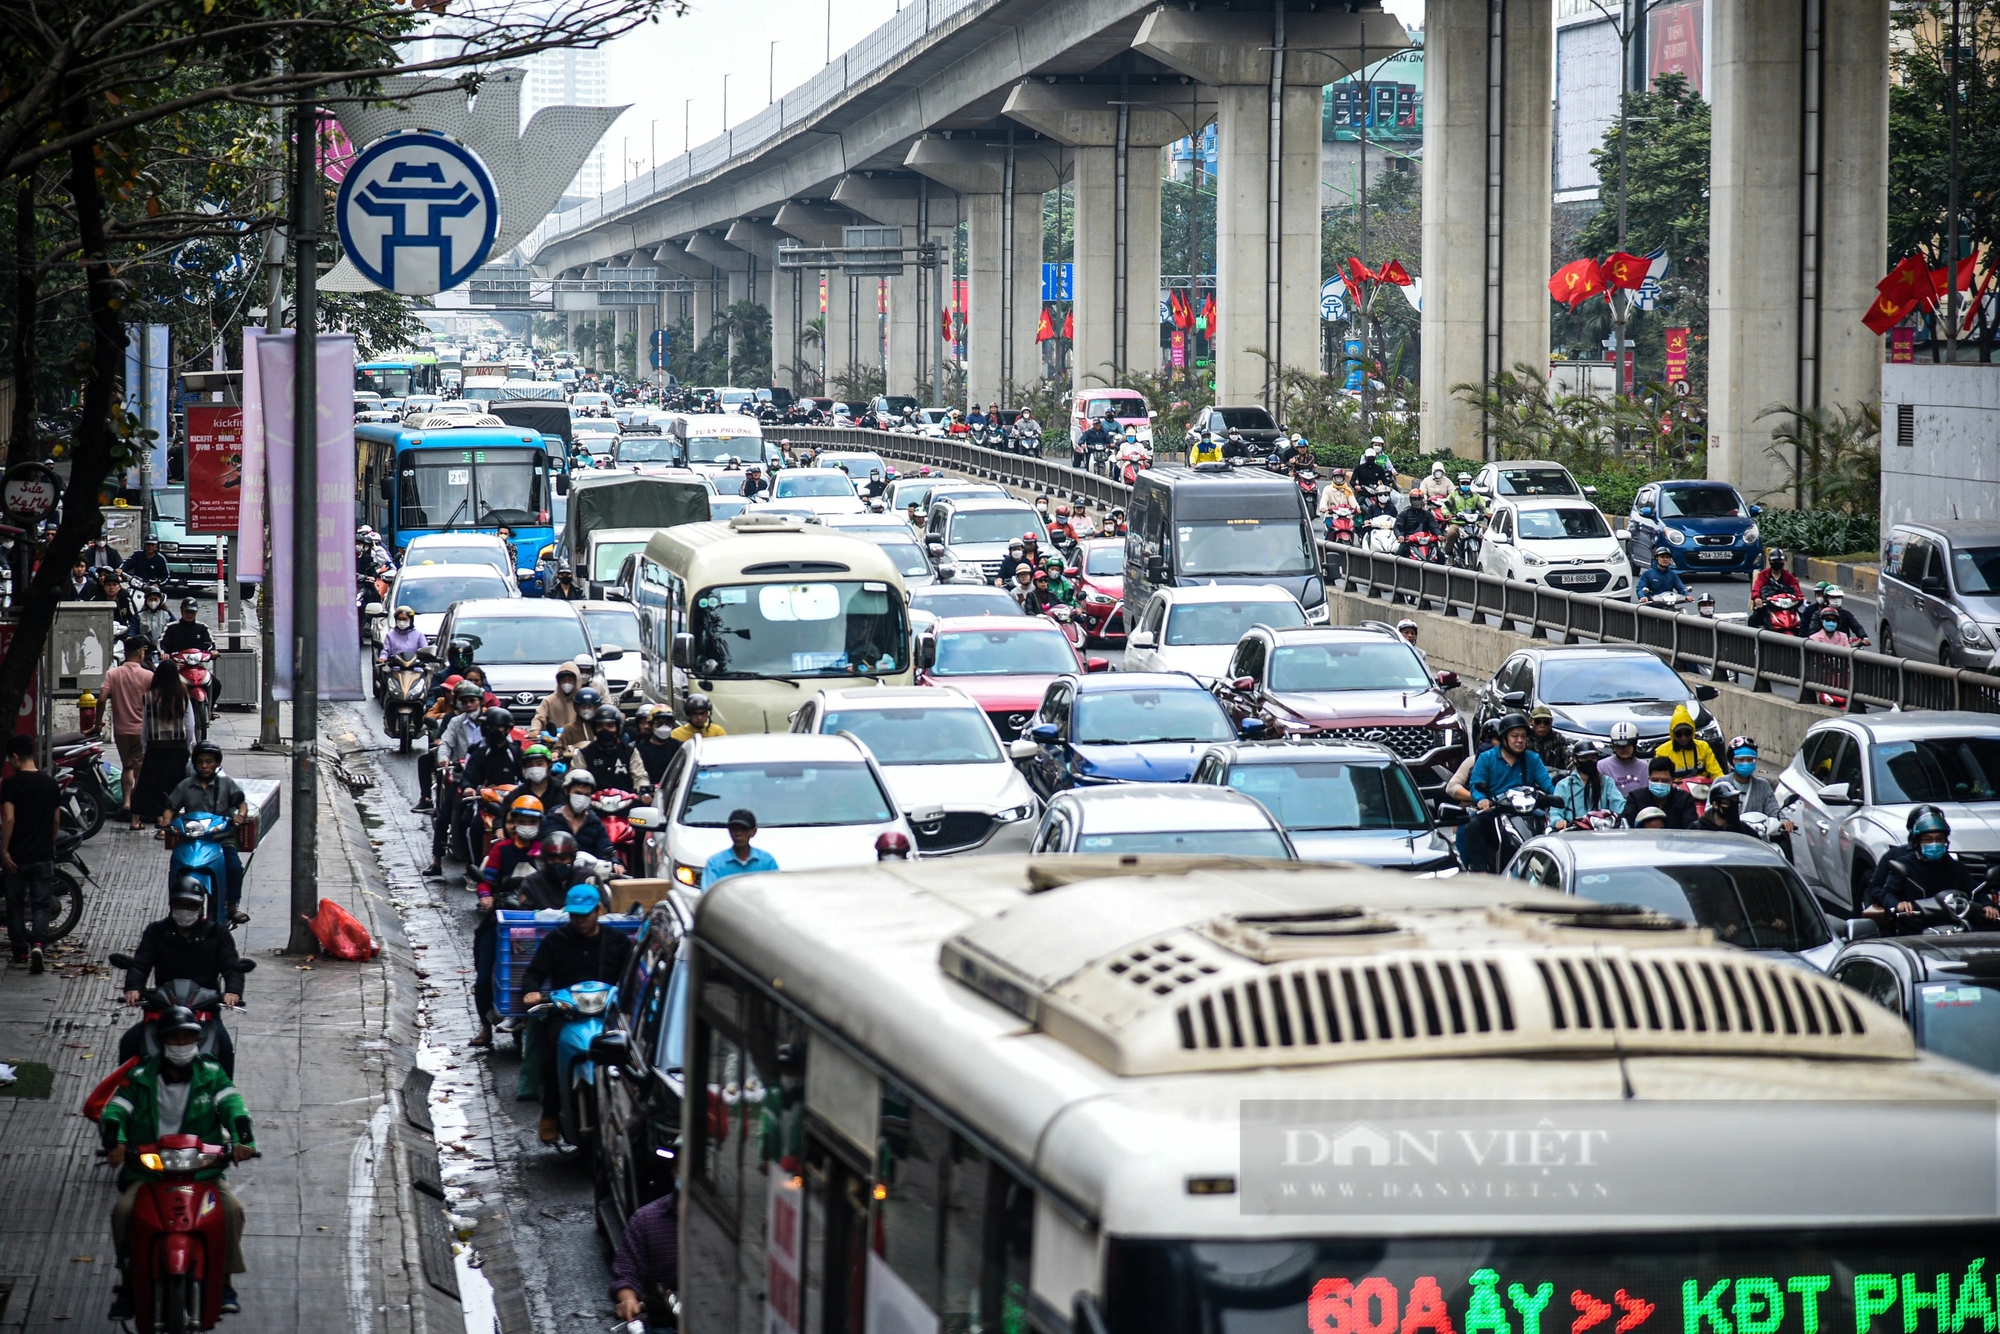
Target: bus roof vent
pixel 751 522
pixel 443 421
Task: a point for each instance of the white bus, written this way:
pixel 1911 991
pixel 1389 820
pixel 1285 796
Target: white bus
pixel 506 388
pixel 972 1098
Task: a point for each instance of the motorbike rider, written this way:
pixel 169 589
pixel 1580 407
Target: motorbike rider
pixel 1545 741
pixel 403 637
pixel 1060 587
pixel 1374 468
pixel 1759 797
pixel 1584 789
pixel 536 780
pixel 573 815
pixel 124 606
pixel 1775 578
pixel 147 563
pixel 1650 817
pixel 754 483
pixel 1062 532
pixel 1833 598
pixel 1038 599
pixel 1436 484
pixel 655 747
pixel 1661 790
pixel 554 876
pixel 700 714
pixel 1415 518
pixel 208 791
pixel 496 877
pixel 1625 766
pixel 1825 623
pixel 1509 765
pixel 153 617
pixel 566 588
pixel 185 943
pixel 1465 508
pixel 579 950
pixel 577 734
pixel 453 744
pixel 1300 455
pixel 1692 757
pixel 1114 522
pixel 610 756
pixel 1725 810
pixel 1661 577
pixel 492 761
pixel 558 708
pixel 876 484
pixel 188 632
pixel 1336 493
pixel 183 1092
pixel 1927 866
pixel 1015 558
pixel 525 816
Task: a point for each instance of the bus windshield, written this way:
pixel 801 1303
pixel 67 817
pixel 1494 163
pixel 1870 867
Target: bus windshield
pixel 717 448
pixel 449 488
pixel 1244 547
pixel 836 628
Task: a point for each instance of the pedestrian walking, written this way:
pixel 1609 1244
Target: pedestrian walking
pixel 30 805
pixel 739 858
pixel 168 731
pixel 125 687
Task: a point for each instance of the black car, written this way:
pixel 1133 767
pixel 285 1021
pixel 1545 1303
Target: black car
pixel 1261 434
pixel 640 1083
pixel 1947 988
pixel 1591 688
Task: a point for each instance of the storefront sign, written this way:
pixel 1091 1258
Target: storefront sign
pixel 214 469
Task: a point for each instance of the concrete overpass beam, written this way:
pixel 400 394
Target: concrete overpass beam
pixel 892 201
pixel 1798 188
pixel 1486 251
pixel 1267 230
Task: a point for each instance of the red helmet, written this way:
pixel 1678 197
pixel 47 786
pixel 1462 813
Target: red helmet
pixel 892 844
pixel 1030 537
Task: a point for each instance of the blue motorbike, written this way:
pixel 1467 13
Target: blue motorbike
pixel 576 1018
pixel 198 851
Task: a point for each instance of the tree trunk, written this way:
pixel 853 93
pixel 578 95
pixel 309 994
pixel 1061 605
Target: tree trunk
pixel 24 448
pixel 91 448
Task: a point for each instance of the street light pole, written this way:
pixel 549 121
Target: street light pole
pixel 305 535
pixel 1951 202
pixel 725 104
pixel 1367 114
pixel 771 88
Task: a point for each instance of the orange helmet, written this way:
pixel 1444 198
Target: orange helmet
pixel 532 805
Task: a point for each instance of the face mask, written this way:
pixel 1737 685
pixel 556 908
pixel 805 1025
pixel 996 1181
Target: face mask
pixel 535 773
pixel 1745 768
pixel 559 869
pixel 579 802
pixel 1829 624
pixel 185 916
pixel 404 623
pixel 1659 789
pixel 179 1056
pixel 566 687
pixel 663 733
pixel 1932 852
pixel 526 832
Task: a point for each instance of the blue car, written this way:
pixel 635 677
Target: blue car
pixel 1123 727
pixel 1708 526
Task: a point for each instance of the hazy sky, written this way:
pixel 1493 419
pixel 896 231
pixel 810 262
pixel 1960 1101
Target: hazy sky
pixel 660 69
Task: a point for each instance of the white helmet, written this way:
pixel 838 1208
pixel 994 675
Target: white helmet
pixel 1437 469
pixel 1624 734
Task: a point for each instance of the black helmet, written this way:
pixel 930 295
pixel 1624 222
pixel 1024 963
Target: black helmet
pixel 699 703
pixel 559 847
pixel 202 748
pixel 607 713
pixel 189 604
pixel 188 889
pixel 587 700
pixel 176 1023
pixel 459 654
pixel 1507 722
pixel 497 717
pixel 1927 819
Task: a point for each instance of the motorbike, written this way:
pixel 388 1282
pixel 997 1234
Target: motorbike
pixel 1784 617
pixel 1377 501
pixel 1065 619
pixel 1594 822
pixel 578 1019
pixel 1308 480
pixel 1666 601
pixel 1946 914
pixel 196 673
pixel 611 805
pixel 195 839
pixel 1130 461
pixel 407 686
pixel 1425 547
pixel 90 797
pixel 1519 814
pixel 1462 544
pixel 140 1042
pixel 178 1242
pixel 1340 524
pixel 1381 535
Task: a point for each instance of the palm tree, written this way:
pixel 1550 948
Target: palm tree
pixel 1834 455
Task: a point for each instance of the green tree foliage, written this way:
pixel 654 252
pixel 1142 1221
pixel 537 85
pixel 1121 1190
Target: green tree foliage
pixel 714 361
pixel 1187 227
pixel 1616 442
pixel 1833 457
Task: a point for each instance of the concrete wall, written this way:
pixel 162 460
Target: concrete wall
pixel 1950 469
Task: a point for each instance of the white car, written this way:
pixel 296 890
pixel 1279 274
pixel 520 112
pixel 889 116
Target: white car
pixel 429 590
pixel 1528 479
pixel 819 801
pixel 1195 629
pixel 854 463
pixel 1165 818
pixel 1564 544
pixel 821 490
pixel 943 760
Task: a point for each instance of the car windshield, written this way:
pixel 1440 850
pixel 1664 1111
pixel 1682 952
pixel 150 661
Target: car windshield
pixel 1198 623
pixel 1595 679
pixel 1976 570
pixel 716 448
pixel 1941 768
pixel 444 488
pixel 439 553
pixel 612 627
pixel 1246 419
pixel 523 639
pixel 1700 502
pixel 611 555
pixel 1348 666
pixel 979 527
pixel 1104 561
pixel 1329 794
pixel 784 631
pixel 795 487
pixel 969 600
pixel 920 736
pixel 1094 408
pixel 857 466
pixel 1244 547
pixel 1003 652
pixel 1536 482
pixel 1752 907
pixel 1142 717
pixel 1961 1019
pixel 436 594
pixel 787 796
pixel 1208 842
pixel 910 560
pixel 171 504
pixel 648 448
pixel 1562 525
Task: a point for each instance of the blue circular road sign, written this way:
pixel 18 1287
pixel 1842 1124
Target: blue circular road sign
pixel 417 212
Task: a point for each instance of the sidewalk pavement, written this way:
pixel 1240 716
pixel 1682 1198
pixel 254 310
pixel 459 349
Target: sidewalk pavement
pixel 340 1230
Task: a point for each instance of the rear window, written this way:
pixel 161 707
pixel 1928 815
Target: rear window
pixel 786 795
pixel 1246 419
pixel 1536 482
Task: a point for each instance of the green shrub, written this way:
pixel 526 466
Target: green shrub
pixel 1820 532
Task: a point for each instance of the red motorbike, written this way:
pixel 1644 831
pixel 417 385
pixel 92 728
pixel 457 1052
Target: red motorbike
pixel 611 804
pixel 1424 547
pixel 1340 525
pixel 1784 615
pixel 1065 619
pixel 178 1244
pixel 1308 480
pixel 196 675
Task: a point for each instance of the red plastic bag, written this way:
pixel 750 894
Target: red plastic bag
pixel 340 936
pixel 107 1088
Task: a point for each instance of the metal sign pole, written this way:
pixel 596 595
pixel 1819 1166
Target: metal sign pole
pixel 305 536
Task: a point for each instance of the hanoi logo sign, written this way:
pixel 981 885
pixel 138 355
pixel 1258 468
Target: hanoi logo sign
pixel 418 212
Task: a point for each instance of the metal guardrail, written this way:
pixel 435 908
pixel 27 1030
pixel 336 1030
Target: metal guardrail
pixel 1734 652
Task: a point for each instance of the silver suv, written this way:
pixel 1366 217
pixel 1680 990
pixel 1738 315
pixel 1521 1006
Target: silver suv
pixel 972 532
pixel 1939 594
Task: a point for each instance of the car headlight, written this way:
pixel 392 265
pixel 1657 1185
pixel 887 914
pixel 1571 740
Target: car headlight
pixel 1970 633
pixel 1015 814
pixel 1530 558
pixel 1676 536
pixel 687 875
pixel 1751 536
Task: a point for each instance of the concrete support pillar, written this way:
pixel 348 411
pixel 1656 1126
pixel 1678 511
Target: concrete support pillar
pixel 1267 228
pixel 644 320
pixel 622 326
pixel 1486 214
pixel 819 225
pixel 1798 205
pixel 892 202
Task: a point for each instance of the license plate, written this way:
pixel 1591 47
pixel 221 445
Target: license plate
pixel 1715 555
pixel 1575 578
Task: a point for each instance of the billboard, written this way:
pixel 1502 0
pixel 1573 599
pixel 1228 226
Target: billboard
pixel 1676 43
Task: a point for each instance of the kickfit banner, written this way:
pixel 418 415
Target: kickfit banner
pixel 341 676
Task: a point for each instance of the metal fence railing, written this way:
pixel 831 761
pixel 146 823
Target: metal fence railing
pixel 1757 659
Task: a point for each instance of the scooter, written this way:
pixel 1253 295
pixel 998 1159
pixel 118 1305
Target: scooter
pixel 1381 536
pixel 193 664
pixel 407 686
pixel 178 1241
pixel 140 1042
pixel 91 796
pixel 196 841
pixel 611 804
pixel 1784 617
pixel 1423 546
pixel 1946 914
pixel 1376 502
pixel 579 1017
pixel 1340 525
pixel 1308 480
pixel 1519 814
pixel 1065 619
pixel 1462 544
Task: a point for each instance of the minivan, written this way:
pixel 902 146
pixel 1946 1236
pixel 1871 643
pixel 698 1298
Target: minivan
pixel 1210 525
pixel 1939 593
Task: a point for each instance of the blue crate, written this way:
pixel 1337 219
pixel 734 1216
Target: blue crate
pixel 520 936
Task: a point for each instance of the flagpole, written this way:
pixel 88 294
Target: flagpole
pixel 1951 205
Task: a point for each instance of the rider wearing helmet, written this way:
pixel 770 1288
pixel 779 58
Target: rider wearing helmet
pixel 1661 790
pixel 1833 603
pixel 209 791
pixel 524 815
pixel 1725 810
pixel 537 780
pixel 465 702
pixel 1374 468
pixel 1464 504
pixel 1661 577
pixel 700 722
pixel 549 886
pixel 1692 757
pixel 1436 484
pixel 1924 867
pixel 1585 788
pixel 1017 556
pixel 187 632
pixel 655 746
pixel 558 708
pixel 576 733
pixel 575 817
pixel 610 756
pixel 1509 765
pixel 403 636
pixel 185 943
pixel 1625 766
pixel 458 657
pixel 1416 518
pixel 493 761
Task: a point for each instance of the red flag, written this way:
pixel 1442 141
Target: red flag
pixel 1625 270
pixel 1576 282
pixel 1069 325
pixel 1393 272
pixel 1888 311
pixel 1183 310
pixel 1046 329
pixel 1359 272
pixel 1208 314
pixel 944 324
pixel 1911 279
pixel 1941 293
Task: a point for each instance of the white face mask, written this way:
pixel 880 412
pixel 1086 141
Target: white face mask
pixel 579 802
pixel 182 1055
pixel 566 687
pixel 404 623
pixel 526 832
pixel 185 916
pixel 535 773
pixel 664 733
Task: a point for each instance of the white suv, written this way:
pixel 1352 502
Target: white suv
pixel 1564 544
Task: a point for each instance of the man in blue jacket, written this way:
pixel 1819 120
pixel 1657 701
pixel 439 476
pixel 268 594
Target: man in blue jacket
pixel 1662 578
pixel 1501 769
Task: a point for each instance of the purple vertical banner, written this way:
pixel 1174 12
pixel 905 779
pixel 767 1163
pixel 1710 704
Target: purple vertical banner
pixel 340 668
pixel 250 520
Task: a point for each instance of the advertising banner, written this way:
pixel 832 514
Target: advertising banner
pixel 1677 356
pixel 1353 381
pixel 250 513
pixel 214 468
pixel 1179 353
pixel 1674 43
pixel 341 675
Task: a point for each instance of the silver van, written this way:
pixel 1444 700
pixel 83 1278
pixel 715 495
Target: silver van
pixel 1939 594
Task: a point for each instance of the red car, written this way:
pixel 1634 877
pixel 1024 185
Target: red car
pixel 1004 662
pixel 1100 584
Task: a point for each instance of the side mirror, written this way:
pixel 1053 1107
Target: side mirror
pixel 1516 698
pixel 1590 490
pixel 524 573
pixel 1837 794
pixel 1706 693
pixel 1044 734
pixel 1097 664
pixel 646 817
pixel 374 609
pixel 616 595
pixel 1156 568
pixel 926 652
pixel 1139 639
pixel 1022 748
pixel 1251 727
pixel 1451 813
pixel 386 488
pixel 1447 680
pixel 683 651
pixel 426 655
pixel 1857 928
pixel 1499 538
pixel 1622 534
pixel 613 1048
pixel 1645 511
pixel 1243 684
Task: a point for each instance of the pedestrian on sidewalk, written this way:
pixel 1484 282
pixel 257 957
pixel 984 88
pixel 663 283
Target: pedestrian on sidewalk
pixel 30 805
pixel 739 858
pixel 168 732
pixel 125 687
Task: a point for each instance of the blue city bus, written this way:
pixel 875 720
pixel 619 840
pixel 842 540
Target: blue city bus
pixel 399 377
pixel 457 479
